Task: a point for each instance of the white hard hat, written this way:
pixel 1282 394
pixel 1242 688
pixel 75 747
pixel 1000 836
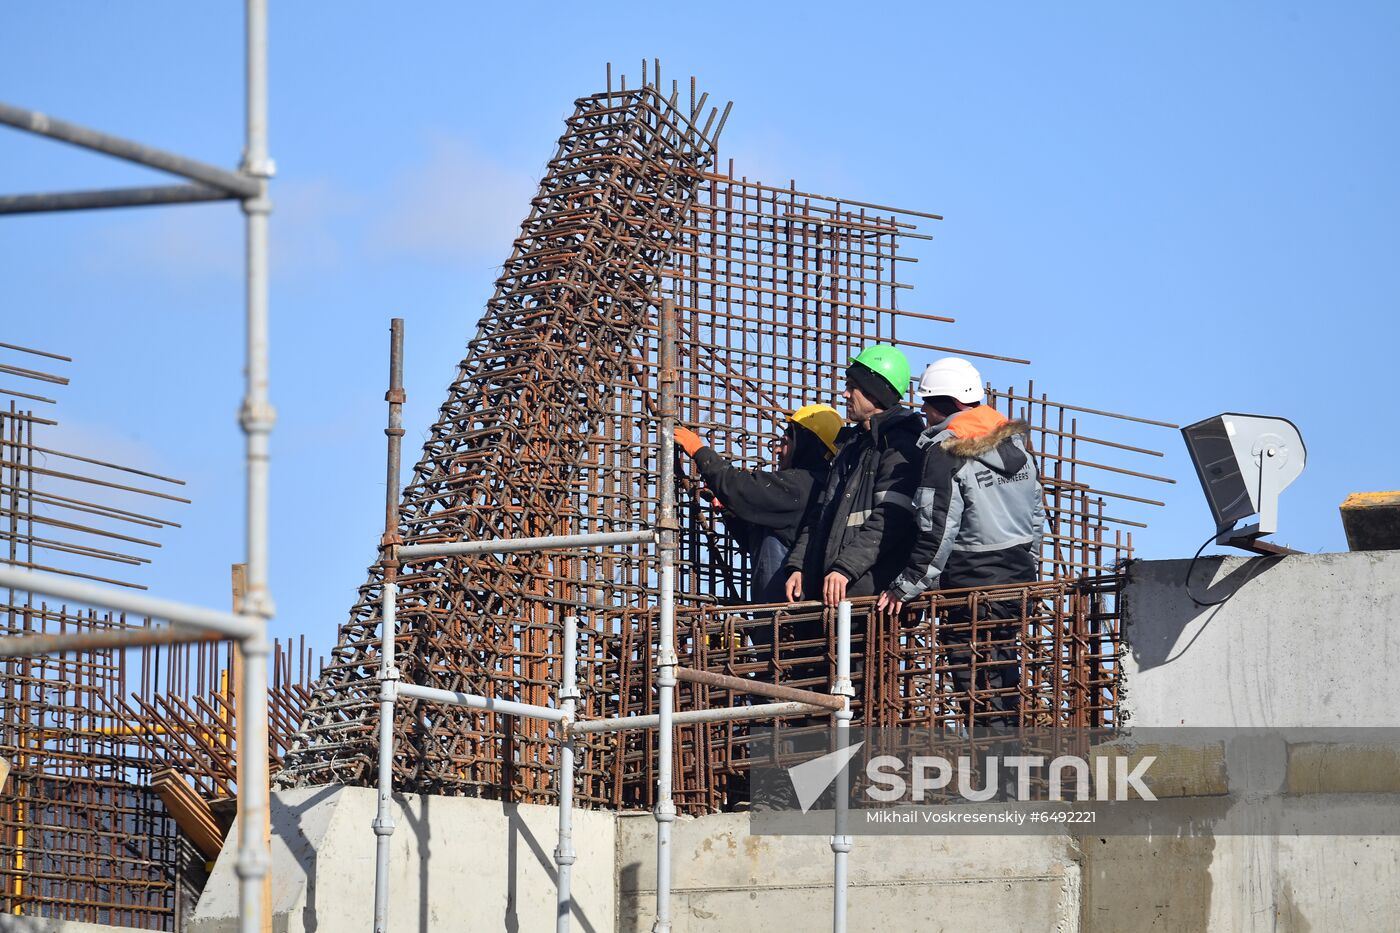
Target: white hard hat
pixel 954 377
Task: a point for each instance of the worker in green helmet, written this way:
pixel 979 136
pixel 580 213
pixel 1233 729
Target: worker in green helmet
pixel 861 528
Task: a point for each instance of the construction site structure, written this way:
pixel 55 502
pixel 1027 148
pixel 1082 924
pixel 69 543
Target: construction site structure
pixel 563 712
pixel 554 433
pixel 100 805
pixel 552 427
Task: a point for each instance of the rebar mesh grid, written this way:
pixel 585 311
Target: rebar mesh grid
pixel 551 428
pixel 555 367
pixel 83 833
pixel 61 511
pixel 81 837
pixel 1062 637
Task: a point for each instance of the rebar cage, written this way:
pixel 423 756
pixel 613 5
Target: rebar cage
pixel 551 428
pixel 87 830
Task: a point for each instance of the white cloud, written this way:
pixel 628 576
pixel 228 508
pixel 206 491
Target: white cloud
pixel 205 242
pixel 306 221
pixel 455 203
pixel 182 243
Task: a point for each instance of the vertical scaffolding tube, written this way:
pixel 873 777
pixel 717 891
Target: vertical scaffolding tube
pixel 253 854
pixel 564 855
pixel 383 823
pixel 665 810
pixel 841 721
pixel 257 418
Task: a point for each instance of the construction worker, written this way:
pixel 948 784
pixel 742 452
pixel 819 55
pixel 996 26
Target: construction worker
pixel 980 514
pixel 765 509
pixel 862 525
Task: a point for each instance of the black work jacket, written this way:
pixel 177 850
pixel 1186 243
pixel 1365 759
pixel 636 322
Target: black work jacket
pixel 862 523
pixel 775 500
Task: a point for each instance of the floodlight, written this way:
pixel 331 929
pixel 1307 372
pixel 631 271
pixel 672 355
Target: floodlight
pixel 1244 462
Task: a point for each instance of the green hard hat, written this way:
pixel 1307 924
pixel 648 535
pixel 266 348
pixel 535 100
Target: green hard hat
pixel 889 363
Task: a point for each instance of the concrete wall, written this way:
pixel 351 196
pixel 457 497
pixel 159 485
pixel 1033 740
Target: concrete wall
pixel 1304 640
pixel 457 864
pixel 725 879
pixel 1240 884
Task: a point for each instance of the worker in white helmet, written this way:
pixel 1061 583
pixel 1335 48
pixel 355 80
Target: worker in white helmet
pixel 980 512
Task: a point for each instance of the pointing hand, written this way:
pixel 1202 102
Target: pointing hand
pixel 689 441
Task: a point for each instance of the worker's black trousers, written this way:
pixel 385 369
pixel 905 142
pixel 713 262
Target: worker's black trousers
pixel 991 697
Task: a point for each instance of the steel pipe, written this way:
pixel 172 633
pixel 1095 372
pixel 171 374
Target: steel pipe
pixel 776 691
pixel 209 620
pixel 564 855
pixel 28 646
pixel 32 121
pixel 508 545
pixel 475 701
pixel 256 418
pixel 383 823
pixel 112 197
pixel 666 661
pixel 843 690
pixel 254 854
pixel 692 716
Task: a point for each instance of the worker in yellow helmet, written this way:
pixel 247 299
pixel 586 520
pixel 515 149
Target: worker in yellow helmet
pixel 765 508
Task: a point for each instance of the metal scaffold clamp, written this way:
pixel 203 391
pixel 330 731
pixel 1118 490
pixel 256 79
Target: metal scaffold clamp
pixel 251 864
pixel 257 417
pixel 666 663
pixel 265 167
pixel 664 811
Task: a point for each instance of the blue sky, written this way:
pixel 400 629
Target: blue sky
pixel 1173 210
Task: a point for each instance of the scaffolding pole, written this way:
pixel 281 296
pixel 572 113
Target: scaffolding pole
pixel 564 855
pixel 383 823
pixel 842 689
pixel 256 417
pixel 666 662
pixel 793 701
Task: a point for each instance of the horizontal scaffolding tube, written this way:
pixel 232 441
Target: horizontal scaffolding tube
pixel 29 646
pixel 776 691
pixel 507 545
pixel 224 623
pixel 34 122
pixel 473 701
pixel 111 197
pixel 685 717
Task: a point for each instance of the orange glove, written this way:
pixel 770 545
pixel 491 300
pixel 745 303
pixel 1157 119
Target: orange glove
pixel 690 441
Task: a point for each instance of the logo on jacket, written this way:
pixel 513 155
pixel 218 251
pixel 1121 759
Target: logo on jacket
pixel 984 478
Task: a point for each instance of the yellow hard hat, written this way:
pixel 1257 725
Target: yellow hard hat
pixel 822 420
